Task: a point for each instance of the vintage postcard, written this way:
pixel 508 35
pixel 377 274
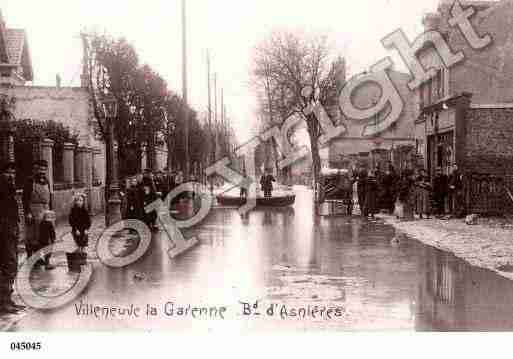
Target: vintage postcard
pixel 256 166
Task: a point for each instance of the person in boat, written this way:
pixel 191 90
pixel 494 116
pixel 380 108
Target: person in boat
pixel 243 195
pixel 361 180
pixel 267 183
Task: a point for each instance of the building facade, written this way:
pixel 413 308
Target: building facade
pixel 463 114
pixel 395 144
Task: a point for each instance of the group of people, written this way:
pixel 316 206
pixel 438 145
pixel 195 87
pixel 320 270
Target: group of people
pixel 39 225
pixel 410 192
pixel 143 189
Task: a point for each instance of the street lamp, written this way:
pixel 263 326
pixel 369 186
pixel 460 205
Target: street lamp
pixel 110 111
pixel 170 132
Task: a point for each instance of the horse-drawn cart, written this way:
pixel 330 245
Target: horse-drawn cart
pixel 335 192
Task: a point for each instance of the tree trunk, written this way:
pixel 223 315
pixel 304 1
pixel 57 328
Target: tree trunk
pixel 313 132
pixel 123 163
pixel 169 143
pixel 151 154
pixel 138 155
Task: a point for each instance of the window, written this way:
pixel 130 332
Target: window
pixel 444 75
pixel 439 84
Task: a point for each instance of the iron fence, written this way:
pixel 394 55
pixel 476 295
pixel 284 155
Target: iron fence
pixel 488 194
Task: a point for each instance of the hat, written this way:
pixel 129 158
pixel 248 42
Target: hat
pixel 9 165
pixel 49 215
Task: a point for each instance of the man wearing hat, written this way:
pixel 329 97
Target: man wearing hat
pixel 37 199
pixel 9 231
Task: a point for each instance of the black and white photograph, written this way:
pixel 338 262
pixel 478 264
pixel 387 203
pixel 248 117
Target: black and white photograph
pixel 193 166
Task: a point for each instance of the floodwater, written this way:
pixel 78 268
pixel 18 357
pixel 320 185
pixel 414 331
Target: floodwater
pixel 287 269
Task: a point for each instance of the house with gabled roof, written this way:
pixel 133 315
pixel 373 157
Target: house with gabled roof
pixel 15 62
pixel 71 168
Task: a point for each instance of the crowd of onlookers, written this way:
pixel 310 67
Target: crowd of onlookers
pixel 410 192
pixel 143 189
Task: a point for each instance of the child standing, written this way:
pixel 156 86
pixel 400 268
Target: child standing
pixel 47 236
pixel 80 221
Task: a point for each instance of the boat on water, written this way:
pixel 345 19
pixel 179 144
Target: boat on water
pixel 282 196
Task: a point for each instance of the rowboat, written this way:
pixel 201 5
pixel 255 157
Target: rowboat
pixel 282 196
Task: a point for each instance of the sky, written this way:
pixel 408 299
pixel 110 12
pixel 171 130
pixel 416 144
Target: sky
pixel 229 28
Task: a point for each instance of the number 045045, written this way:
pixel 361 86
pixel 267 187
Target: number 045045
pixel 25 346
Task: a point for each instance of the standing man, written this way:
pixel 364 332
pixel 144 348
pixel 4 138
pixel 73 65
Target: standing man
pixel 370 207
pixel 267 183
pixel 361 181
pixel 9 232
pixel 37 199
pixel 243 194
pixel 440 189
pixel 456 197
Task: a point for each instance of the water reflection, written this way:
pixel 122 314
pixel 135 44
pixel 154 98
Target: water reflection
pixel 453 295
pixel 291 256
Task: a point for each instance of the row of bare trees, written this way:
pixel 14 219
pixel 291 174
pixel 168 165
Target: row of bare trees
pixel 150 114
pixel 284 63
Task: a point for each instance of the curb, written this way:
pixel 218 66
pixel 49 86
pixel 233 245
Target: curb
pixel 446 246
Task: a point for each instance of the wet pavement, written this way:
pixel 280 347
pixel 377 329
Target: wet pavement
pixel 283 269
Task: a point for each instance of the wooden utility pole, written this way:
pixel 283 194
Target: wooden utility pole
pixel 184 91
pixel 215 118
pixel 222 123
pixel 211 133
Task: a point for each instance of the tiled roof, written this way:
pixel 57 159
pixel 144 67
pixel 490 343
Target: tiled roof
pixel 3 50
pixel 14 49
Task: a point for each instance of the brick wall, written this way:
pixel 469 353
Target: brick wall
pixel 489 140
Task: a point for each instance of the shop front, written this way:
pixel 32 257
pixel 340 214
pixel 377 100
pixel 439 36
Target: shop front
pixel 440 130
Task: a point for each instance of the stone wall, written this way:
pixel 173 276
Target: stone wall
pixel 68 105
pixel 63 199
pixel 83 166
pixel 489 140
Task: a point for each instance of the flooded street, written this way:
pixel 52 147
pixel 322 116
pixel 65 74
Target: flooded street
pixel 336 273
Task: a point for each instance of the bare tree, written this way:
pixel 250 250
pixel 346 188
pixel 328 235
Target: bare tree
pixel 284 65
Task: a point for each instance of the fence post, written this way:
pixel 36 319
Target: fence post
pixel 47 154
pixel 68 159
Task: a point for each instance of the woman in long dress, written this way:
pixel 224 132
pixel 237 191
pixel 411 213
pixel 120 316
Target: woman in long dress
pixel 406 196
pixel 422 195
pixel 371 195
